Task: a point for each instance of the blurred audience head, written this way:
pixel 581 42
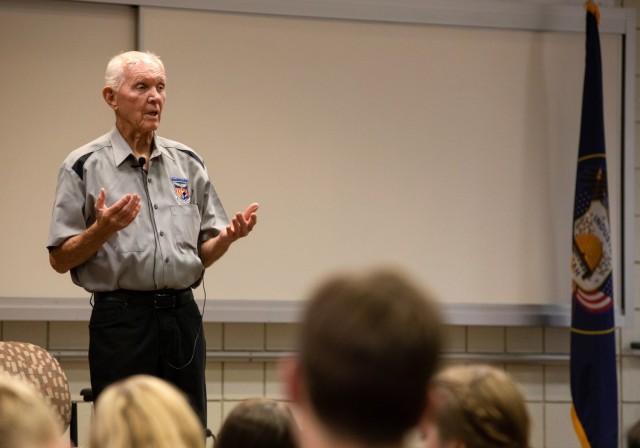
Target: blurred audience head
pixel 258 423
pixel 368 345
pixel 26 419
pixel 477 406
pixel 633 436
pixel 143 411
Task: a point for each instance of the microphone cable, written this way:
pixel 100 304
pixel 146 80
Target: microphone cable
pixel 141 164
pixel 195 341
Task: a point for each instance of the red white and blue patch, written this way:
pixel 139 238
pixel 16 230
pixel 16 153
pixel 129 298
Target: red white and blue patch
pixel 181 189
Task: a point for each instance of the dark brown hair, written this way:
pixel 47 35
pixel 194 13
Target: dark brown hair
pixel 482 407
pixel 368 346
pixel 258 423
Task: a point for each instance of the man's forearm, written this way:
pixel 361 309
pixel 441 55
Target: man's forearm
pixel 76 250
pixel 211 250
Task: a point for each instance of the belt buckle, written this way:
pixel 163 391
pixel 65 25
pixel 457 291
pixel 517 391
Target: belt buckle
pixel 163 302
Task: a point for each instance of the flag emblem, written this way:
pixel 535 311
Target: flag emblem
pixel 591 262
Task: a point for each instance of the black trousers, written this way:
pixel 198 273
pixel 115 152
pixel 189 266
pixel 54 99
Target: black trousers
pixel 128 338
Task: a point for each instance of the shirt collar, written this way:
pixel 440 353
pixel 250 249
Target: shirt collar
pixel 158 149
pixel 122 151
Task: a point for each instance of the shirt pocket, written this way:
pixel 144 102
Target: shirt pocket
pixel 131 238
pixel 186 225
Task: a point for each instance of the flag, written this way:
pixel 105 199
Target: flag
pixel 594 388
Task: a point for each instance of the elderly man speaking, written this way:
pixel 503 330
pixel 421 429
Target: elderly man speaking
pixel 136 220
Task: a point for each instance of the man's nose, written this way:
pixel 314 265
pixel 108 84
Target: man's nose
pixel 154 95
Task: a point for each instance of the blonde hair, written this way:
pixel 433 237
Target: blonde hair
pixel 482 407
pixel 26 417
pixel 144 412
pixel 114 75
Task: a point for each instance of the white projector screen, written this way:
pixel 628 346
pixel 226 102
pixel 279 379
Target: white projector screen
pixel 447 151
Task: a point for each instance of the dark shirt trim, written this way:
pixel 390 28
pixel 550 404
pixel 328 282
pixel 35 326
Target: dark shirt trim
pixel 78 167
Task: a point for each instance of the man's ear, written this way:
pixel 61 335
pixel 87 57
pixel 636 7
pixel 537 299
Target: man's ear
pixel 109 96
pixel 433 401
pixel 290 374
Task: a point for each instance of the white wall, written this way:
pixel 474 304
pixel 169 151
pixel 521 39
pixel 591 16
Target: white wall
pixel 546 385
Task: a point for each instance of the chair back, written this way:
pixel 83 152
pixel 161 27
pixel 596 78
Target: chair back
pixel 35 365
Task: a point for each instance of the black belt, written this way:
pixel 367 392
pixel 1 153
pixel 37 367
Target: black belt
pixel 165 298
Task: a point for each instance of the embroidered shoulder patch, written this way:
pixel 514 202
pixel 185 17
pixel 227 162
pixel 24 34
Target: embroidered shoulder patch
pixel 181 189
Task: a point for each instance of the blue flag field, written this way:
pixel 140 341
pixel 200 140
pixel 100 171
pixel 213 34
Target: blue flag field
pixel 594 387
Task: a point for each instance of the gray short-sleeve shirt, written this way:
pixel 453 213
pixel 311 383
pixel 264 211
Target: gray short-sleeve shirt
pixel 159 249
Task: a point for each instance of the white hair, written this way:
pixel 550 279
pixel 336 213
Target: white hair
pixel 114 75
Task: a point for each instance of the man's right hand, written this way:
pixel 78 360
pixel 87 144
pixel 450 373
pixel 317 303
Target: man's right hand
pixel 109 220
pixel 119 215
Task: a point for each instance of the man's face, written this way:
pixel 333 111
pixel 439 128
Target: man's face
pixel 139 100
